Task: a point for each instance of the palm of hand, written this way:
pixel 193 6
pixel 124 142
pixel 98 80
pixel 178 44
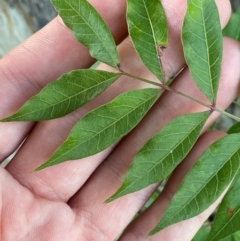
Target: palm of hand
pixel 66 202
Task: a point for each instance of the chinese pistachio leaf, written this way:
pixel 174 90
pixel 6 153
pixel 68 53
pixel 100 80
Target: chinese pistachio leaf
pixel 226 221
pixel 161 154
pixel 89 28
pixel 148 30
pixel 234 129
pixel 104 126
pixel 205 182
pixel 232 29
pixel 202 45
pixel 68 93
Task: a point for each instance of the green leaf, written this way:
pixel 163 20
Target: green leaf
pixel 236 236
pixel 202 233
pixel 232 29
pixel 64 95
pixel 234 129
pixel 205 182
pixel 161 154
pixel 147 27
pixel 151 200
pixel 104 126
pixel 202 45
pixel 89 29
pixel 226 221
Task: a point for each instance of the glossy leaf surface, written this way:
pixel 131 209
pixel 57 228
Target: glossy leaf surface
pixel 205 182
pixel 147 27
pixel 161 154
pixel 89 28
pixel 105 125
pixel 202 44
pixel 64 95
pixel 226 221
pixel 232 29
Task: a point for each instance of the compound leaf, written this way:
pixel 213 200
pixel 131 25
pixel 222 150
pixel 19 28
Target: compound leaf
pixel 226 221
pixel 104 126
pixel 202 44
pixel 232 29
pixel 89 28
pixel 147 27
pixel 205 182
pixel 161 154
pixel 68 93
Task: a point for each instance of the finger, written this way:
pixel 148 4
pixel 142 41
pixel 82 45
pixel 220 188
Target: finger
pixel 27 69
pixel 175 11
pixel 42 58
pixel 108 177
pixel 49 183
pixel 55 183
pixel 139 228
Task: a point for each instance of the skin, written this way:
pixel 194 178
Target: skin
pixel 65 202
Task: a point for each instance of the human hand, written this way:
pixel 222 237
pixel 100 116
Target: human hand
pixel 66 202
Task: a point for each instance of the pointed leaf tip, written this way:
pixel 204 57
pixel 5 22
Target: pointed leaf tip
pixel 63 96
pixel 170 145
pixel 40 168
pixel 89 29
pixel 105 125
pixel 108 200
pixel 205 182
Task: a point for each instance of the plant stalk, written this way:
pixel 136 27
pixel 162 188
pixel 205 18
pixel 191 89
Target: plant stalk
pixel 189 97
pixel 164 87
pixel 227 114
pixel 141 79
pixel 236 103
